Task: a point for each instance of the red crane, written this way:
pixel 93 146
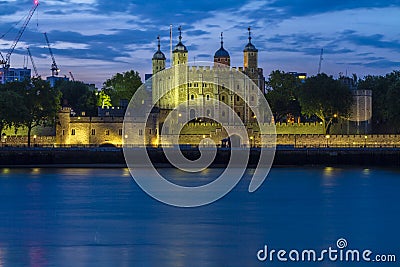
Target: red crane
pixel 5 62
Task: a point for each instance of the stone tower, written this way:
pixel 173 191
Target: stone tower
pixel 250 59
pixel 180 53
pixel 222 56
pixel 158 59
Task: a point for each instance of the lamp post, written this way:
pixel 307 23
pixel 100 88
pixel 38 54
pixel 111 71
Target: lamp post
pixel 3 138
pixel 365 140
pixel 34 140
pixel 251 141
pixel 327 140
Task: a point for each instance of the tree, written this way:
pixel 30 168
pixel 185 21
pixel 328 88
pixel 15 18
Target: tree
pixel 325 98
pixel 78 96
pixel 282 95
pixel 385 101
pixel 39 106
pixel 122 86
pixel 9 107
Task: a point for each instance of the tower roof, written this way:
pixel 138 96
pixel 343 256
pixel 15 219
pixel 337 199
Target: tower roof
pixel 159 55
pixel 250 47
pixel 221 52
pixel 180 47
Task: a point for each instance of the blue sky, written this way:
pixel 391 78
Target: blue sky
pixel 95 39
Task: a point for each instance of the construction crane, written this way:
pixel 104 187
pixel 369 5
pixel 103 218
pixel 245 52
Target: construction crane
pixel 5 62
pixel 320 60
pixel 54 68
pixel 33 63
pixel 72 76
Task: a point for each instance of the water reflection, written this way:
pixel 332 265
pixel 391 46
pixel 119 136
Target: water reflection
pixel 100 217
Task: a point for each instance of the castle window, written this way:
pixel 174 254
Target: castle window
pixel 252 87
pixel 237 98
pixel 237 86
pixel 252 70
pixel 223 98
pixel 140 131
pixel 223 113
pixel 120 132
pixel 93 131
pixel 238 113
pixel 107 132
pixel 63 132
pixel 73 132
pixel 149 131
pixel 196 85
pixel 208 112
pixel 208 97
pixel 192 97
pixel 252 98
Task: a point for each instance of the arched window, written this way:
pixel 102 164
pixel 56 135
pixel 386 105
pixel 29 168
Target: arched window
pixel 192 97
pixel 208 97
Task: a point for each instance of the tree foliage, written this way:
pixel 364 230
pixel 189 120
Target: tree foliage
pixel 325 98
pixel 78 96
pixel 9 107
pixel 385 101
pixel 29 104
pixel 282 95
pixel 122 86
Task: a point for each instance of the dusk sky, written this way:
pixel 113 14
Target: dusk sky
pixel 94 39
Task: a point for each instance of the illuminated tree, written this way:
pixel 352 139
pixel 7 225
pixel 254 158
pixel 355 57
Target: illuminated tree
pixel 325 98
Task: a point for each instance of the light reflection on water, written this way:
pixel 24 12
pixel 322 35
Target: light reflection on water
pixel 99 217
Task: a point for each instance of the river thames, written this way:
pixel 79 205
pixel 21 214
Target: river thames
pixel 100 217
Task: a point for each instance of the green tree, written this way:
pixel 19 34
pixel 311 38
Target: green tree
pixel 122 86
pixel 9 107
pixel 385 101
pixel 325 98
pixel 282 95
pixel 78 96
pixel 103 100
pixel 39 106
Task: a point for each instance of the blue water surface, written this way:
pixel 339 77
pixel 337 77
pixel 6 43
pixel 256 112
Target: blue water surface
pixel 100 217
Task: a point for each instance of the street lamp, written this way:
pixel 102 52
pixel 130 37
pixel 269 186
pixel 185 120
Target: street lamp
pixel 34 140
pixel 327 140
pixel 365 140
pixel 251 141
pixel 3 138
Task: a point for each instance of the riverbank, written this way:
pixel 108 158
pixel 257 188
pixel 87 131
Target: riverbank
pixel 113 157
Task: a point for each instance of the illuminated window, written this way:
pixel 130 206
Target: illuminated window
pixel 93 131
pixel 73 132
